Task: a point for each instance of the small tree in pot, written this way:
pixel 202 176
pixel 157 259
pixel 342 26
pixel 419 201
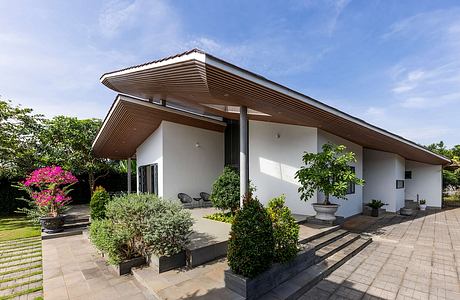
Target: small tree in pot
pixel 328 172
pixel 48 188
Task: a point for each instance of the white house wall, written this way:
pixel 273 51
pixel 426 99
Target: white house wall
pixel 275 154
pixel 380 171
pixel 151 152
pixel 354 204
pixel 193 159
pixel 426 182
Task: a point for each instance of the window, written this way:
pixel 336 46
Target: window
pixel 146 185
pixel 408 175
pixel 351 186
pixel 142 179
pixel 399 184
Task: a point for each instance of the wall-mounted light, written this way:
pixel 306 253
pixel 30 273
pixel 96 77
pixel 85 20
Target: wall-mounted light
pixel 278 135
pixel 197 145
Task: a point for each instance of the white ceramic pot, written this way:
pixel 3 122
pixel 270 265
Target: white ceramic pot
pixel 325 212
pixel 422 206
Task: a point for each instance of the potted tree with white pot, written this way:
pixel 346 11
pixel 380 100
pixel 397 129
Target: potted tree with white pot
pixel 328 172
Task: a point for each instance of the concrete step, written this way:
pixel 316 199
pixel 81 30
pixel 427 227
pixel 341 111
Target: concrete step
pixel 304 281
pixel 83 224
pixel 76 219
pixel 320 234
pixel 324 240
pixel 66 232
pixel 334 247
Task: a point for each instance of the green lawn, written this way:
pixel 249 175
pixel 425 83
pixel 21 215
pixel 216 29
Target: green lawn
pixel 17 227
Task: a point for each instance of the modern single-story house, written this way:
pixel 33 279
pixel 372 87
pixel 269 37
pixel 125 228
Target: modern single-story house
pixel 184 117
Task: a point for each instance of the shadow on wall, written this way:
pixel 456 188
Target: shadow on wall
pixel 278 170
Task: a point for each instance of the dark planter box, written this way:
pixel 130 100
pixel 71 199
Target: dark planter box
pixel 252 288
pixel 125 266
pixel 166 263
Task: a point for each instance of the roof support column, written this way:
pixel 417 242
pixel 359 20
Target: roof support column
pixel 128 167
pixel 244 154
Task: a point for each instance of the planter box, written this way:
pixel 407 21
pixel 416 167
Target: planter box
pixel 125 266
pixel 252 288
pixel 166 263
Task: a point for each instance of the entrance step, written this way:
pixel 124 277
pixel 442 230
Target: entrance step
pixel 329 259
pixel 328 238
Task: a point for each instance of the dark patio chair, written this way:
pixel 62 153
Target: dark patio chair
pixel 206 200
pixel 186 200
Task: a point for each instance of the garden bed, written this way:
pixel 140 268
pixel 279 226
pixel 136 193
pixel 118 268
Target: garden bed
pixel 166 263
pixel 252 288
pixel 125 266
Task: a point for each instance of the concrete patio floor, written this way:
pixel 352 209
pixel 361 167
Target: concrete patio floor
pixel 411 258
pixel 72 270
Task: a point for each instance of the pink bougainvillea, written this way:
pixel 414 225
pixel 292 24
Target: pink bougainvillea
pixel 49 188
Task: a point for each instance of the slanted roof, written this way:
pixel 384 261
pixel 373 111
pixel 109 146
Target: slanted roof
pixel 208 85
pixel 130 121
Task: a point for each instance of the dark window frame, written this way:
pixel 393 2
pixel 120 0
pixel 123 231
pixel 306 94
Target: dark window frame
pixel 408 175
pixel 143 173
pixel 400 184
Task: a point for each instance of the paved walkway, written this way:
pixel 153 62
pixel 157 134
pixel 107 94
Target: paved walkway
pixel 410 258
pixel 73 270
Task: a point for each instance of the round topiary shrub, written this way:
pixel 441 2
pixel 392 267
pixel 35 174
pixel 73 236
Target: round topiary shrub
pixel 97 204
pixel 251 244
pixel 285 230
pixel 225 192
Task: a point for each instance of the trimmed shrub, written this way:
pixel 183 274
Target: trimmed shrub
pixel 285 230
pixel 97 204
pixel 168 229
pixel 137 225
pixel 251 244
pixel 225 192
pixel 111 240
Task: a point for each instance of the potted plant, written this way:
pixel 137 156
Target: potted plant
pixel 422 204
pixel 328 172
pixel 375 205
pixel 48 188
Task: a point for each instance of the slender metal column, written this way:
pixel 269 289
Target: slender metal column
pixel 244 154
pixel 129 175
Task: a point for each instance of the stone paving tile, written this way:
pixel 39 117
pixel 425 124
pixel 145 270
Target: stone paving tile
pixel 410 258
pixel 72 270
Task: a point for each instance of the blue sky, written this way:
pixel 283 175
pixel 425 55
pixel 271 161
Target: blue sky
pixel 395 64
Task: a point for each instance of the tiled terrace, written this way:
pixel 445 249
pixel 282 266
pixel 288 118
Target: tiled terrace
pixel 410 258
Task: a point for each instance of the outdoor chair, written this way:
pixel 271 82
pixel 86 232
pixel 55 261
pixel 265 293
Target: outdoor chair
pixel 206 201
pixel 186 200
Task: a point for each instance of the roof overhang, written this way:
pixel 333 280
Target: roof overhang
pixel 204 83
pixel 130 121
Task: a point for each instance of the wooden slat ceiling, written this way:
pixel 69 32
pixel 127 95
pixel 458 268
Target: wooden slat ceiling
pixel 131 121
pixel 197 83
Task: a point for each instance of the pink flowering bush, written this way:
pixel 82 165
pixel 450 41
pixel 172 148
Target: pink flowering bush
pixel 49 187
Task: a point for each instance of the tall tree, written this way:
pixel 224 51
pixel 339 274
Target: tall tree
pixel 66 141
pixel 19 129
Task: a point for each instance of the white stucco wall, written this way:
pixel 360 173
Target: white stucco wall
pixel 380 171
pixel 274 160
pixel 187 168
pixel 354 204
pixel 426 182
pixel 150 152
